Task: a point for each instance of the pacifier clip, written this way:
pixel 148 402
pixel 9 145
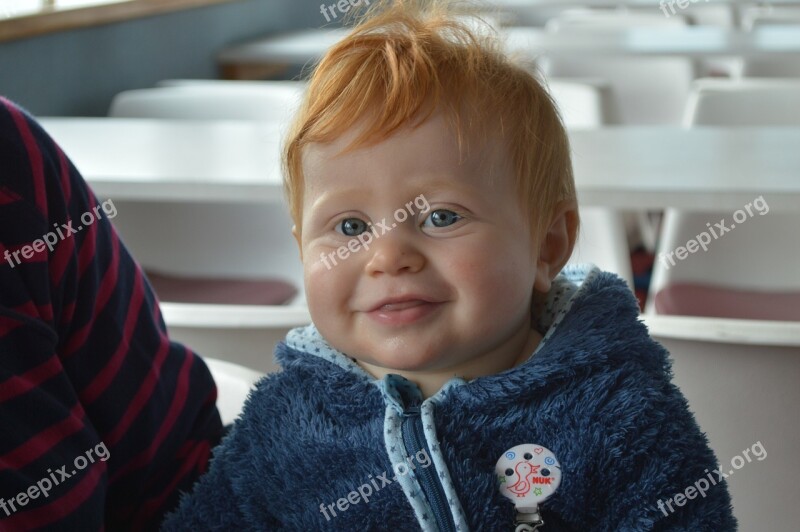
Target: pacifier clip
pixel 528 474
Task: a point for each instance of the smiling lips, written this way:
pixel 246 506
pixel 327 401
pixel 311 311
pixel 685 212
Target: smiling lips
pixel 402 311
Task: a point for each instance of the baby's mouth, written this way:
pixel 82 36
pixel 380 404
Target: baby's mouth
pixel 402 311
pixel 403 305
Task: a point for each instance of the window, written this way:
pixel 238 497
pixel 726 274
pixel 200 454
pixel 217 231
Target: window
pixel 21 8
pixel 27 18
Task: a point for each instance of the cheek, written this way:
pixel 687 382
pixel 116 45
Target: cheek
pixel 328 290
pixel 493 276
pixel 318 280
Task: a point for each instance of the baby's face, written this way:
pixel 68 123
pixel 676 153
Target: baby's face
pixel 450 284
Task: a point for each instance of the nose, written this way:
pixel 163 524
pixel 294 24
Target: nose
pixel 394 254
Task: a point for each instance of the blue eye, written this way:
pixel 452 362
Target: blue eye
pixel 441 218
pixel 352 226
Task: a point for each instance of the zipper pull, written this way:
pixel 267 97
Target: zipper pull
pixel 528 474
pixel 411 411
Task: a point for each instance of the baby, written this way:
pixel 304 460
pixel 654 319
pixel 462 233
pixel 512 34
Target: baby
pixel 457 376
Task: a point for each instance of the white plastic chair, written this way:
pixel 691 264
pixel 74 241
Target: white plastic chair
pixel 647 90
pixel 739 375
pixel 740 378
pixel 246 241
pixel 268 101
pixel 234 383
pixel 221 240
pixel 602 239
pixel 757 254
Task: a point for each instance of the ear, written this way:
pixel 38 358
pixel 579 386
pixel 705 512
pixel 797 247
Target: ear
pixel 296 234
pixel 556 244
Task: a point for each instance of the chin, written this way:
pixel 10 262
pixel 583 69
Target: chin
pixel 400 360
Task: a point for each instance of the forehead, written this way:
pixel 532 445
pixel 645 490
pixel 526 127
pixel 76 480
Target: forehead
pixel 427 151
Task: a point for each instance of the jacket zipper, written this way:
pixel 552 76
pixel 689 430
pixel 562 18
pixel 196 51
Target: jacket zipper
pixel 432 489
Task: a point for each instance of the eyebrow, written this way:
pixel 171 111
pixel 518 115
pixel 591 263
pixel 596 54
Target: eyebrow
pixel 329 196
pixel 427 186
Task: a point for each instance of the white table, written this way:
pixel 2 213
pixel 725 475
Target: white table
pixel 626 167
pixel 307 46
pixel 152 159
pixel 296 48
pixel 691 41
pixel 533 4
pixel 701 169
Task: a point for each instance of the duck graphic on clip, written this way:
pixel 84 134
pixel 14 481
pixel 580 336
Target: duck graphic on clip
pixel 528 474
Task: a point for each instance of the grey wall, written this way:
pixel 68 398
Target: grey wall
pixel 76 73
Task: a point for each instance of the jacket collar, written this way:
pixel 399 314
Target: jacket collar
pixel 574 318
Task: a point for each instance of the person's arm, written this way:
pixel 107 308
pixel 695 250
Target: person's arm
pixel 103 419
pixel 242 486
pixel 214 503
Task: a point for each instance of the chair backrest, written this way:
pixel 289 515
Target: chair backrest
pixel 758 254
pixel 743 102
pixel 273 102
pixel 611 19
pixel 223 83
pixel 646 90
pixel 720 15
pixel 603 241
pixel 770 67
pixel 250 241
pixel 583 103
pixel 753 17
pixel 740 379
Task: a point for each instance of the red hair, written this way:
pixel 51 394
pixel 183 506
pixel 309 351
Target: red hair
pixel 406 59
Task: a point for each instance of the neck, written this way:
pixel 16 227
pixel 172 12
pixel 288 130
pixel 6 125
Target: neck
pixel 431 381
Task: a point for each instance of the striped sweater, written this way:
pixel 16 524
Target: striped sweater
pixel 102 418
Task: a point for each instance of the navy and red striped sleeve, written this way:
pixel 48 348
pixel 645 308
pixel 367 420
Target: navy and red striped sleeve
pixel 103 419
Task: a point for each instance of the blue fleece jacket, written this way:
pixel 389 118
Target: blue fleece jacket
pixel 322 445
